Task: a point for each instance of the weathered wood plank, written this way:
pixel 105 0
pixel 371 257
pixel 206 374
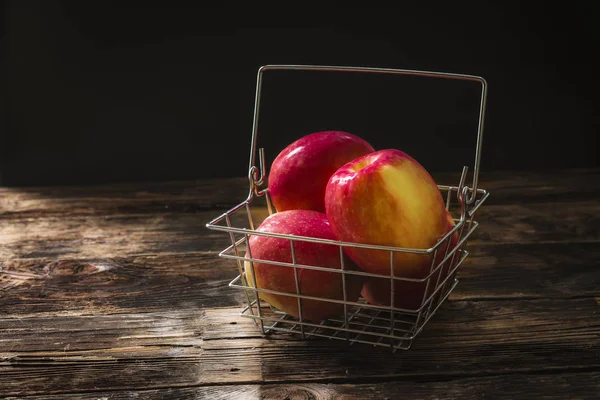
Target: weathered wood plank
pixel 551 222
pixel 545 270
pixel 199 280
pixel 152 197
pixel 104 334
pixel 143 283
pixel 541 186
pixel 465 339
pixel 115 235
pixel 134 234
pixel 118 287
pixel 457 324
pixel 559 386
pixel 193 196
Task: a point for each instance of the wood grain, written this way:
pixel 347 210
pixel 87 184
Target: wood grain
pixel 116 291
pixel 33 287
pixel 134 234
pixel 558 386
pixel 122 198
pixel 545 270
pixel 202 347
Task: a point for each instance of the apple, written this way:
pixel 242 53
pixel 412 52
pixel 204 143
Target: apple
pixel 386 198
pixel 315 283
pixel 410 295
pixel 300 172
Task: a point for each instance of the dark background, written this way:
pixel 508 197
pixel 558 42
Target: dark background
pixel 113 91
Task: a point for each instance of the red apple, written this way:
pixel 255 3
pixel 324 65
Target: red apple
pixel 410 295
pixel 311 282
pixel 386 198
pixel 300 172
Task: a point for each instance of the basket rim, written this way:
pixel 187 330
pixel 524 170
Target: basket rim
pixel 213 225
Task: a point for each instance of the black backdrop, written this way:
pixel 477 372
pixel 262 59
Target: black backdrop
pixel 112 91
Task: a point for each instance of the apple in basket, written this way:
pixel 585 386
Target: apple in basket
pixel 315 283
pixel 410 295
pixel 300 172
pixel 386 198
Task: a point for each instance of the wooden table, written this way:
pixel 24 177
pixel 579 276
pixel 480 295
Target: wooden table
pixel 114 292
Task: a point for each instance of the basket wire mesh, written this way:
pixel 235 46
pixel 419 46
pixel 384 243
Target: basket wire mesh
pixel 359 321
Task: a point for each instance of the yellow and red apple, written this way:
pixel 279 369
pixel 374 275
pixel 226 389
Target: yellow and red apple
pixel 315 283
pixel 386 198
pixel 410 295
pixel 300 172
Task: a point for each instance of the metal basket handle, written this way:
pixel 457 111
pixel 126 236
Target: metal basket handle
pixel 257 180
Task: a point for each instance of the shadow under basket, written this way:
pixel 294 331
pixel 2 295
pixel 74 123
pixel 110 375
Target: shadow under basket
pixel 359 321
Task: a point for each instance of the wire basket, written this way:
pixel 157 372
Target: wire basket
pixel 358 321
